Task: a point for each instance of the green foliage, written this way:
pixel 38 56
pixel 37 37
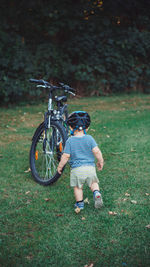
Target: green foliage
pixel 92 45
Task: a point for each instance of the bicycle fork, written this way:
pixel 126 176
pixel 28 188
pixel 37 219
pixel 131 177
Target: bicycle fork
pixel 49 112
pixel 47 121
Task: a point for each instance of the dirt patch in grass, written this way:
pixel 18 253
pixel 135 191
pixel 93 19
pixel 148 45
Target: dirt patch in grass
pixel 32 123
pixel 12 138
pixel 12 120
pixel 115 104
pixel 16 128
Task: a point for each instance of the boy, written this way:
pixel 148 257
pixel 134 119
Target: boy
pixel 82 150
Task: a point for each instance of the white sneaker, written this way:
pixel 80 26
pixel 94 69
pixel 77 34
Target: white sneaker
pixel 98 200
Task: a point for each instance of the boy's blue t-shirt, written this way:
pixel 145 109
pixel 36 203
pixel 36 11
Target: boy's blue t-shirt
pixel 80 150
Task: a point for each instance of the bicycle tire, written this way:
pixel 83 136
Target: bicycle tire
pixel 45 152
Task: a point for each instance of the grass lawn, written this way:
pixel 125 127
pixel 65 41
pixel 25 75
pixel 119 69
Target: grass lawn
pixel 38 225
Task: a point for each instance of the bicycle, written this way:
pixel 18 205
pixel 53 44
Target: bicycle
pixel 50 137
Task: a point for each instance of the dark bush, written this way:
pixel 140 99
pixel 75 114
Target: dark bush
pixel 89 44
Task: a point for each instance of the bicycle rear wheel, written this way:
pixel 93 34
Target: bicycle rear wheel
pixel 46 149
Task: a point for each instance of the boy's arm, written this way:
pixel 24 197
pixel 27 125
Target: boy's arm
pixel 64 159
pixel 98 155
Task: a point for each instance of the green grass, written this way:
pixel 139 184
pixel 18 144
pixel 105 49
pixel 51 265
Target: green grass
pixel 38 224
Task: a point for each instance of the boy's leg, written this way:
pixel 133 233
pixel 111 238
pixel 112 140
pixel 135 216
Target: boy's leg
pixel 97 195
pixel 94 186
pixel 78 192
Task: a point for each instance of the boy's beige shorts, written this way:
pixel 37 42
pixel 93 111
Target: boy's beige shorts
pixel 83 174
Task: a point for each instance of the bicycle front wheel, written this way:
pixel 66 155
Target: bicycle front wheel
pixel 46 149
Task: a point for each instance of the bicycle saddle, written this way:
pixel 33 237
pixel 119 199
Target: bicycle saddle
pixel 61 98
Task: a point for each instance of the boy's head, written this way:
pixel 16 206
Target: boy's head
pixel 79 120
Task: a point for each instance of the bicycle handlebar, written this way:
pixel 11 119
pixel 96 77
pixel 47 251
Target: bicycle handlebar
pixel 43 83
pixel 39 82
pixel 67 87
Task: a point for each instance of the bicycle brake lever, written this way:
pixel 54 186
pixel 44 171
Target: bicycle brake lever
pixel 71 93
pixel 68 89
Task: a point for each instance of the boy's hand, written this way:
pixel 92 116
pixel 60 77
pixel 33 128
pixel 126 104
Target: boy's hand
pixel 59 169
pixel 100 165
pixel 64 158
pixel 98 154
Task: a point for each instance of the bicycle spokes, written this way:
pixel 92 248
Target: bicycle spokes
pixel 48 152
pixel 49 166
